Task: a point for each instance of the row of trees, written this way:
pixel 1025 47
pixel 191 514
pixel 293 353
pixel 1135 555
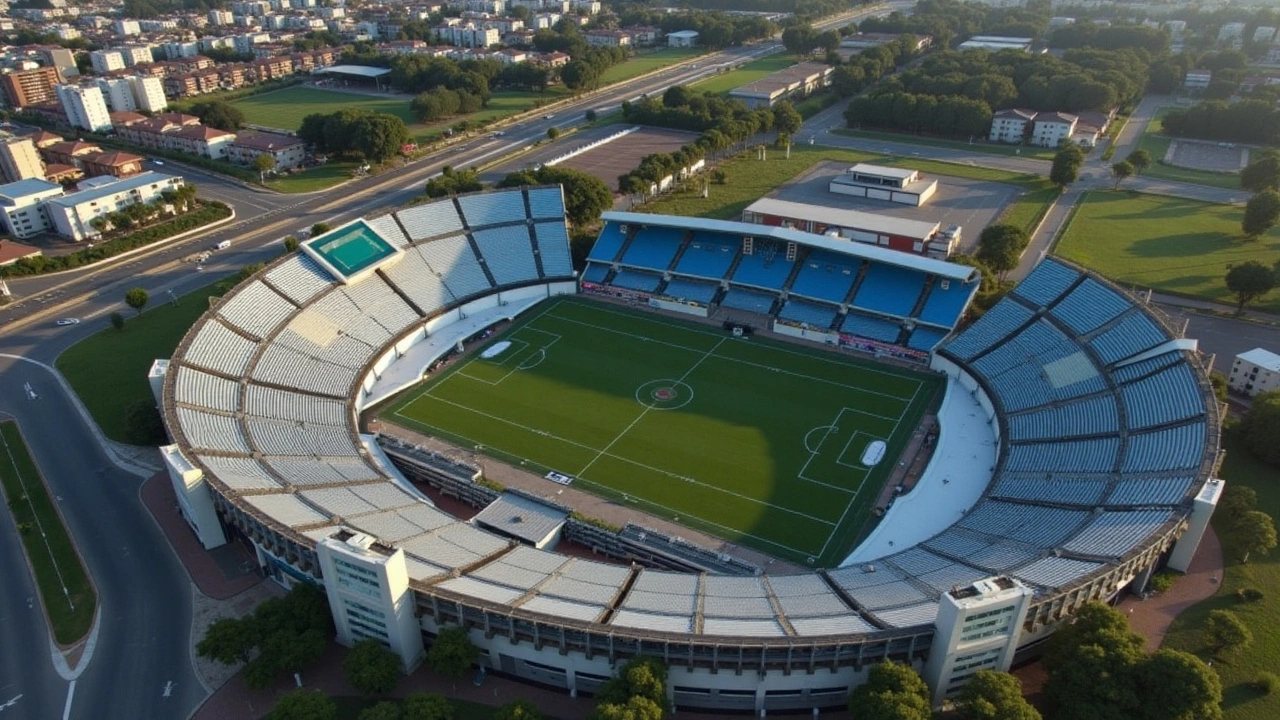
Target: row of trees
pixel 894 691
pixel 354 132
pixel 948 116
pixel 441 102
pixel 1246 121
pixel 945 20
pixel 715 29
pixel 420 73
pixel 585 195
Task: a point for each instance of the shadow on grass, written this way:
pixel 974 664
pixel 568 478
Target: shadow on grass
pixel 1182 245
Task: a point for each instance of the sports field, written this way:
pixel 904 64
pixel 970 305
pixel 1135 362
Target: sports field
pixel 758 442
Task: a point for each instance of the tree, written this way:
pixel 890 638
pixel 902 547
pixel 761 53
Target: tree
pixel 1177 685
pixel 1000 248
pixel 145 426
pixel 228 641
pixel 1140 160
pixel 320 228
pixel 553 133
pixel 1066 166
pixel 641 676
pixel 991 695
pixel 590 116
pixel 786 119
pixel 1249 281
pixel 264 164
pixel 136 298
pixel 518 710
pixel 371 668
pixel 1263 171
pixel 302 704
pixel 1122 171
pixel 1238 499
pixel 289 633
pixel 117 321
pixel 219 114
pixel 1226 632
pixel 291 244
pixel 1260 428
pixel 585 195
pixel 385 710
pixel 580 76
pixel 637 708
pixel 452 653
pixel 1091 662
pixel 893 691
pixel 427 706
pixel 1260 213
pixel 1253 532
pixel 380 136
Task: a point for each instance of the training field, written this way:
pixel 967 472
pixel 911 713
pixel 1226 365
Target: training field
pixel 755 441
pixel 284 109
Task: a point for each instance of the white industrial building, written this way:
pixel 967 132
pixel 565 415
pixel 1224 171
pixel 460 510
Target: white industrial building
pixel 879 182
pixel 72 215
pixel 23 206
pixel 1254 372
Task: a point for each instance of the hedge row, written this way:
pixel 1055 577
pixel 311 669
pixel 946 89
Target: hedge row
pixel 208 212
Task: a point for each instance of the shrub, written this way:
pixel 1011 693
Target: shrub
pixel 1249 594
pixel 1163 580
pixel 1267 683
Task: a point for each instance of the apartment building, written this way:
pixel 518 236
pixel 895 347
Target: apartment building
pixel 72 215
pixel 85 107
pixel 19 159
pixel 30 87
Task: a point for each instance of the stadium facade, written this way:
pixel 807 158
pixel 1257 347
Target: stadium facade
pixel 1106 425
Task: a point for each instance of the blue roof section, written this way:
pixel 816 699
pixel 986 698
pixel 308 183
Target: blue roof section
pixel 886 256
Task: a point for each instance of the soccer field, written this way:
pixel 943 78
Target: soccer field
pixel 759 442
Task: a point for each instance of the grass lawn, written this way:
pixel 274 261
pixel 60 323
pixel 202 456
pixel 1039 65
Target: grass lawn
pixel 1170 244
pixel 759 443
pixel 284 109
pixel 748 179
pixel 317 178
pixel 49 548
pixel 1158 145
pixel 648 62
pixel 752 71
pixel 125 357
pixel 1027 151
pixel 349 708
pixel 1240 702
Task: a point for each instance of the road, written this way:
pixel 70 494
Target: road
pixel 143 642
pixel 140 666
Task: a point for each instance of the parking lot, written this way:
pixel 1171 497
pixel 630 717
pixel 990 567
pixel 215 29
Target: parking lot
pixel 971 204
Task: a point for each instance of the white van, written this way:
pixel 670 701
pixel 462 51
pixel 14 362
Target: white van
pixel 222 245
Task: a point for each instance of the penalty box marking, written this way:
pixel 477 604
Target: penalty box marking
pixel 833 428
pixel 540 349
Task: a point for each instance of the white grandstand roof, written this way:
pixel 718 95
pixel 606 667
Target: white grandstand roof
pixel 361 70
pixel 871 222
pixel 941 268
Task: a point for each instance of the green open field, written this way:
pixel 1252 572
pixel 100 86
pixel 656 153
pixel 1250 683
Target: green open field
pixel 284 109
pixel 128 355
pixel 1170 244
pixel 1240 701
pixel 981 146
pixel 1156 144
pixel 752 71
pixel 648 62
pixel 751 440
pixel 52 555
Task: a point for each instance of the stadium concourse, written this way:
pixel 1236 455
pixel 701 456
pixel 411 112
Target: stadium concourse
pixel 1101 428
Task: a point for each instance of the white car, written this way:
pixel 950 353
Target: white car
pixel 69 321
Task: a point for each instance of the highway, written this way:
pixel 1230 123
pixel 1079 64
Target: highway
pixel 140 664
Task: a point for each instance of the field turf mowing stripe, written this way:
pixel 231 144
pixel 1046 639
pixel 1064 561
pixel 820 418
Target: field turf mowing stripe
pixel 756 441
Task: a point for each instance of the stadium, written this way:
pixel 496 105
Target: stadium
pixel 1076 452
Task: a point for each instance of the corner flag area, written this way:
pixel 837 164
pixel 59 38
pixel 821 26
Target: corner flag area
pixel 766 444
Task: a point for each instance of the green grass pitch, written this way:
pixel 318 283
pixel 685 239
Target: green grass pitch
pixel 752 440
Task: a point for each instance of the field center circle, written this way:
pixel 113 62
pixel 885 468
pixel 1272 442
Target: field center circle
pixel 664 394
